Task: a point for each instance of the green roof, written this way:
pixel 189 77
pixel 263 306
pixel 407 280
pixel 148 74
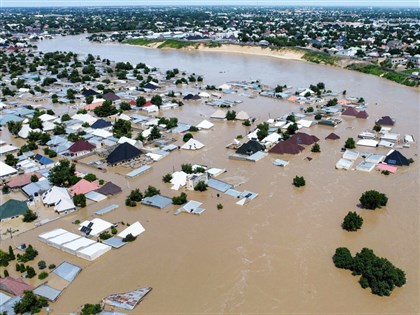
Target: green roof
pixel 12 208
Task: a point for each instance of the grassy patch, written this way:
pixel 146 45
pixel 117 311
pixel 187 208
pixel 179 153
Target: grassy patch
pixel 177 44
pixel 212 44
pixel 390 75
pixel 410 71
pixel 139 41
pixel 316 57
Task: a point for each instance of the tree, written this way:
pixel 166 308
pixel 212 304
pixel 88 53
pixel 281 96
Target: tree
pixel 42 265
pixel 377 128
pixel 122 128
pixel 278 89
pixel 151 191
pixel 373 199
pixel 11 160
pixel 262 130
pixel 156 100
pixel 105 110
pixel 11 253
pixel 14 127
pixel 140 101
pixel 90 177
pixel 342 258
pixel 187 137
pixel 136 195
pixel 29 216
pixel 299 181
pixel 316 148
pixel 350 143
pixel 167 178
pixel 5 189
pixel 65 117
pixel 89 99
pixel 29 254
pixel 59 130
pixel 91 309
pixel 125 106
pixel 318 117
pixel 43 275
pixel 79 200
pixel 35 123
pixel 231 115
pixel 30 303
pixel 219 206
pixel 201 186
pixel 129 238
pixel 180 200
pixel 63 174
pixel 352 222
pixel 154 134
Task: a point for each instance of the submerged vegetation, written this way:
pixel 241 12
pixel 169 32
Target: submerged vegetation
pixel 170 43
pixel 318 57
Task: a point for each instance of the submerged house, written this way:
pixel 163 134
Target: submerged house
pixel 250 148
pixel 12 209
pixel 123 153
pixel 286 147
pixel 303 138
pixel 385 121
pixel 81 147
pixel 397 159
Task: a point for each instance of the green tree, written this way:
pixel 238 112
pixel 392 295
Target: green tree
pixel 79 200
pixel 231 115
pixel 180 200
pixel 42 264
pixel 373 199
pixel 219 206
pixel 14 127
pixel 201 186
pixel 89 99
pixel 342 258
pixel 30 303
pixel 129 238
pixel 352 222
pixel 122 128
pixel 35 123
pixel 11 253
pixel 105 110
pixel 29 216
pixel 291 129
pixel 299 181
pixel 350 143
pixel 377 128
pixel 154 134
pixel 136 195
pixel 140 101
pixel 59 130
pixel 167 178
pixel 11 160
pixel 63 174
pixel 125 106
pixel 90 177
pixel 151 191
pixel 43 275
pixel 316 148
pixel 65 117
pixel 91 309
pixel 187 168
pixel 262 130
pixel 29 254
pixel 156 100
pixel 187 137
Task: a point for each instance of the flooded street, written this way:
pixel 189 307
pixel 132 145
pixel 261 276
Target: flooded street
pixel 273 255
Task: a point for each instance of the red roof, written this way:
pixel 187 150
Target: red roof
pixel 14 286
pixel 132 103
pixel 350 111
pixel 286 147
pixel 148 103
pixel 303 138
pixel 83 187
pixel 362 114
pixel 81 145
pixel 332 136
pixel 22 180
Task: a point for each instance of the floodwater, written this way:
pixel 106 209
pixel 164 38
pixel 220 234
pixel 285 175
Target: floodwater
pixel 273 255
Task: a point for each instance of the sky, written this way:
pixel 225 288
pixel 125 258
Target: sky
pixel 78 3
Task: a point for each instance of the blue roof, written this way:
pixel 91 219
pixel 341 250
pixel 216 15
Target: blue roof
pixel 139 170
pixel 101 123
pixel 43 159
pixel 67 271
pixel 157 201
pixel 115 242
pixel 8 306
pixel 22 111
pixel 219 185
pixel 38 187
pixel 10 117
pixel 106 210
pixel 180 128
pixel 47 292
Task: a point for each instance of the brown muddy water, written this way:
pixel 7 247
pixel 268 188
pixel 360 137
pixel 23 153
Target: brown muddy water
pixel 273 255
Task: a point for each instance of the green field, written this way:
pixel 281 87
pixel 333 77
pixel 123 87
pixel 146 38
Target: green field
pixel 381 72
pixel 320 58
pixel 170 43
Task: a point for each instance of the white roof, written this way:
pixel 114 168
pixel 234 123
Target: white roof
pixel 150 109
pixel 224 86
pixel 51 234
pixel 178 180
pixel 7 148
pixel 154 156
pixel 93 251
pixel 367 142
pixel 85 118
pixel 343 164
pixel 98 226
pixel 64 204
pixel 62 239
pixel 274 137
pixel 192 144
pixel 47 117
pixel 77 244
pixel 305 123
pixel 129 140
pixel 6 169
pixel 124 117
pixel 134 229
pixel 219 114
pixel 279 124
pixel 146 133
pixel 48 126
pixel 152 122
pixel 253 135
pixel 102 133
pixel 204 94
pixel 350 155
pixel 54 195
pixel 205 124
pixel 242 115
pixel 24 131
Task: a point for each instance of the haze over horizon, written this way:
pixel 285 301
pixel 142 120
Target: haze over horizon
pixel 102 3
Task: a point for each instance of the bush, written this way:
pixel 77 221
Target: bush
pixel 105 235
pixel 91 309
pixel 167 178
pixel 130 203
pixel 187 168
pixel 352 222
pixel 386 172
pixel 135 195
pixel 151 191
pixel 42 265
pixel 30 303
pixel 90 177
pixel 350 143
pixel 299 181
pixel 318 117
pixel 201 186
pixel 79 200
pixel 231 115
pixel 43 275
pixel 316 148
pixel 373 199
pixel 342 258
pixel 219 206
pixel 180 200
pixel 193 129
pixel 51 266
pixel 246 123
pixel 129 238
pixel 30 272
pixel 30 254
pixel 377 128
